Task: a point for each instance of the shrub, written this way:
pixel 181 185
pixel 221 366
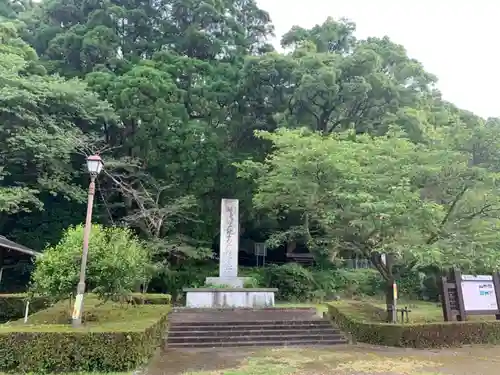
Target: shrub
pixel 12 306
pixel 298 283
pixel 410 284
pixel 117 263
pixel 120 338
pixel 251 282
pixel 294 282
pixel 187 275
pixel 255 273
pixel 360 282
pixel 428 335
pixel 151 298
pixel 431 287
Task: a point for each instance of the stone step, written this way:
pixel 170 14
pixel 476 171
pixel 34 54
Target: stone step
pixel 241 309
pixel 244 327
pixel 262 323
pixel 251 332
pixel 226 315
pixel 268 343
pixel 213 328
pixel 258 338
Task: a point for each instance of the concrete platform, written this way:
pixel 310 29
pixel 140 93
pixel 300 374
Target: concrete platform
pixel 229 297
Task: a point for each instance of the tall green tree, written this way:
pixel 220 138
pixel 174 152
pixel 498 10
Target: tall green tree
pixel 386 195
pixel 42 119
pixel 366 85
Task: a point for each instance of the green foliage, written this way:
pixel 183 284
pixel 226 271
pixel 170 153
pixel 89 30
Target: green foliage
pixel 38 115
pixel 294 282
pixel 349 283
pixel 187 275
pixel 173 94
pixel 429 335
pixel 118 263
pixel 119 338
pixel 419 204
pixel 431 287
pixel 150 299
pixel 12 306
pixel 96 313
pixel 251 283
pixel 411 284
pixel 217 286
pixel 330 283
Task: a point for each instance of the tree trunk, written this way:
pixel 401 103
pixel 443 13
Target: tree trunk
pixel 385 269
pixel 389 299
pixel 389 296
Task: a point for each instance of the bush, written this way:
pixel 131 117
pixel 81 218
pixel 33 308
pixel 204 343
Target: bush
pixel 151 298
pixel 428 335
pixel 410 284
pixel 431 287
pixel 12 306
pixel 187 275
pixel 119 338
pixel 258 274
pixel 117 264
pixel 294 282
pixel 360 282
pixel 298 283
pixel 251 282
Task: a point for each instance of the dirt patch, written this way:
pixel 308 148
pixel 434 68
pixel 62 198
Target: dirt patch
pixel 338 360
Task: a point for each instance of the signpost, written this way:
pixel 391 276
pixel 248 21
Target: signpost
pixel 260 250
pixel 395 300
pixel 464 295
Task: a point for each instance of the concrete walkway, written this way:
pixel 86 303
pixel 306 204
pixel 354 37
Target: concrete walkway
pixel 337 360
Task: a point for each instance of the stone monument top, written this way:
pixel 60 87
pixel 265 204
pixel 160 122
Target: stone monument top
pixel 229 245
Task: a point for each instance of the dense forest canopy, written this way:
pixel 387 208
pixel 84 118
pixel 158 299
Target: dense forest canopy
pixel 340 142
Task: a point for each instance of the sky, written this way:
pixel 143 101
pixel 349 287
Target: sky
pixel 455 40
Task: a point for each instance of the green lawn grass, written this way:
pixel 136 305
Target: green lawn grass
pixel 373 310
pixel 98 317
pixel 320 307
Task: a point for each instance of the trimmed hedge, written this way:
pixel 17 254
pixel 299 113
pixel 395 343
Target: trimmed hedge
pixel 151 298
pixel 122 338
pixel 427 335
pixel 12 306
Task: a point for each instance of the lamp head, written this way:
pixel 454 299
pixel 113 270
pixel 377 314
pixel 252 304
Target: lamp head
pixel 94 164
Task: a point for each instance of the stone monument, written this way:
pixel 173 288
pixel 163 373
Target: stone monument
pixel 229 246
pixel 232 294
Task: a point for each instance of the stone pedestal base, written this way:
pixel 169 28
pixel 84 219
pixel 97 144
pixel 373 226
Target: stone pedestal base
pixel 230 282
pixel 229 298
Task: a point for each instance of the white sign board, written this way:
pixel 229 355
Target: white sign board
pixel 260 249
pixel 479 295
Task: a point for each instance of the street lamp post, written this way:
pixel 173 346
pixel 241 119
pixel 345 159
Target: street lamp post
pixel 94 166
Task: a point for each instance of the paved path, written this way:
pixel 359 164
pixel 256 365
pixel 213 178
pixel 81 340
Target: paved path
pixel 338 360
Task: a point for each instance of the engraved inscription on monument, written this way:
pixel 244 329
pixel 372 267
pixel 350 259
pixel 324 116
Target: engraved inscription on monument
pixel 229 230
